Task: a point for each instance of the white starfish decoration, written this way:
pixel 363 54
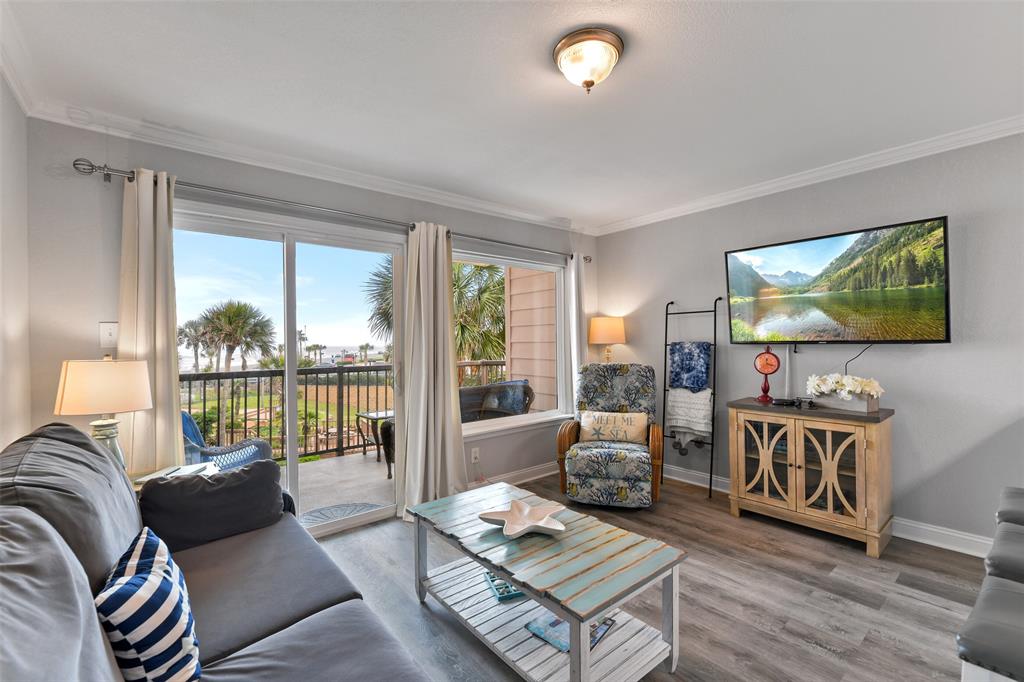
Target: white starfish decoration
pixel 520 518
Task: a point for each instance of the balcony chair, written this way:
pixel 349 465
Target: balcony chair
pixel 225 457
pixel 606 472
pixel 490 401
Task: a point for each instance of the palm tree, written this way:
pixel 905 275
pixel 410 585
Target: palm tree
pixel 302 338
pixel 479 311
pixel 192 335
pixel 259 339
pixel 236 324
pixel 317 349
pixel 478 294
pixel 364 352
pixel 378 289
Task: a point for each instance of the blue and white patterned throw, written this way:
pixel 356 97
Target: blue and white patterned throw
pixel 688 364
pixel 145 611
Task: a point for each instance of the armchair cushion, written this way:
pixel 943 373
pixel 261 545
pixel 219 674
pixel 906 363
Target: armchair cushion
pixel 609 491
pixel 186 511
pixel 616 388
pixel 606 459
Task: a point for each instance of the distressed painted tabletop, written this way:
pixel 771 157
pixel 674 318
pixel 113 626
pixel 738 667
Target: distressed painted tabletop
pixel 585 568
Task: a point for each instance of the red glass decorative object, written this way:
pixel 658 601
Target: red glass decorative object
pixel 766 362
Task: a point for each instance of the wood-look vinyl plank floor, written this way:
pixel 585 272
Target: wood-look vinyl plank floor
pixel 760 599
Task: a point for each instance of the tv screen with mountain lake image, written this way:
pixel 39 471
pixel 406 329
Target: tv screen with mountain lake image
pixel 882 285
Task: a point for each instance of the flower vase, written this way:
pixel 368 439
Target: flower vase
pixel 858 403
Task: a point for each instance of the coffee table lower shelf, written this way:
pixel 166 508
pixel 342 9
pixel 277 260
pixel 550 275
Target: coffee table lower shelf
pixel 627 652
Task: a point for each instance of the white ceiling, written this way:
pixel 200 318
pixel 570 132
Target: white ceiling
pixel 711 102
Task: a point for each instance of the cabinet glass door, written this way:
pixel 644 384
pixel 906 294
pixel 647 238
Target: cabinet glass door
pixel 766 459
pixel 830 475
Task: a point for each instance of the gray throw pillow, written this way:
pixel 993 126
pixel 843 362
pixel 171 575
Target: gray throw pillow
pixel 187 511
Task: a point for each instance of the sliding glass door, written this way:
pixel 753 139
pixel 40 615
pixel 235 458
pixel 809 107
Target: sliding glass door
pixel 286 330
pixel 344 380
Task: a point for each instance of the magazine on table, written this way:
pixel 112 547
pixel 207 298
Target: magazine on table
pixel 555 631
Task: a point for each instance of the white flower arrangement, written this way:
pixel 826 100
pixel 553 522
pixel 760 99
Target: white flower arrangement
pixel 845 386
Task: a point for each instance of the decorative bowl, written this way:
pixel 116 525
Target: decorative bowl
pixel 520 518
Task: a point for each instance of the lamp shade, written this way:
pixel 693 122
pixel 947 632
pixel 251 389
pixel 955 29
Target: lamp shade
pixel 606 330
pixel 103 387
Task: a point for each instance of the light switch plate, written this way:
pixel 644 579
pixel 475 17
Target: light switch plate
pixel 108 334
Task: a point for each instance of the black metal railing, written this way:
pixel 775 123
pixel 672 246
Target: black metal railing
pixel 232 406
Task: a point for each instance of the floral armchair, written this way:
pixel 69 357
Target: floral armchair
pixel 610 472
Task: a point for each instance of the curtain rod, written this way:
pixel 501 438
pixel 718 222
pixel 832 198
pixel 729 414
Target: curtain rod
pixel 87 167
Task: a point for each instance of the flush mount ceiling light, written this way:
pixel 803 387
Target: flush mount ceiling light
pixel 586 57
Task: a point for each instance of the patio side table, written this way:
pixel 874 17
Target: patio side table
pixel 372 434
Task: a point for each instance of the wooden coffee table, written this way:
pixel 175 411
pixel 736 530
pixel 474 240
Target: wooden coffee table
pixel 582 575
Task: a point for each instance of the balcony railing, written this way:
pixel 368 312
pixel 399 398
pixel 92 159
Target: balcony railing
pixel 232 406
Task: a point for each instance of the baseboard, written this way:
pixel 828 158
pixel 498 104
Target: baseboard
pixel 940 536
pixel 521 475
pixel 699 478
pixel 908 529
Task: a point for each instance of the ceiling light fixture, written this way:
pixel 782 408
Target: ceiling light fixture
pixel 587 56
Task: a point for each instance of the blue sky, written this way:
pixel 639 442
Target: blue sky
pixel 331 305
pixel 808 257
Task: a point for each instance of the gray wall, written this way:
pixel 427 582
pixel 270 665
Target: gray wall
pixel 959 424
pixel 14 319
pixel 75 225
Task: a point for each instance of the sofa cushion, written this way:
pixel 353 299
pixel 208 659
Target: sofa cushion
pixel 344 642
pixel 187 511
pixel 1006 558
pixel 1011 506
pixel 993 635
pixel 145 610
pixel 75 485
pixel 248 586
pixel 609 459
pixel 49 624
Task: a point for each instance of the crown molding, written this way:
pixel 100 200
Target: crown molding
pixel 887 157
pixel 131 129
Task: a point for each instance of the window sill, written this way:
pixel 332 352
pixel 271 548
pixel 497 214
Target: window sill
pixel 492 427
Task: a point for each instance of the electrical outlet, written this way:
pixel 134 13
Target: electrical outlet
pixel 474 455
pixel 108 334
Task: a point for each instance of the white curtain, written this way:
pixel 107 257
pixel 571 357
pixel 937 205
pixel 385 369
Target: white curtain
pixel 434 464
pixel 151 439
pixel 577 316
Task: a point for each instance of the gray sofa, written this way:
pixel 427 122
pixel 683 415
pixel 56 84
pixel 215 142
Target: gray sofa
pixel 268 603
pixel 992 639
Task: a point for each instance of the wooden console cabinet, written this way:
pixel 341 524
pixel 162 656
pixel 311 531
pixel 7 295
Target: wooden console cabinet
pixel 823 468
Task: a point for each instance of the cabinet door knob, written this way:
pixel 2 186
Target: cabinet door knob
pixel 799 466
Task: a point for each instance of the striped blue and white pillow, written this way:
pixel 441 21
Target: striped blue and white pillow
pixel 145 611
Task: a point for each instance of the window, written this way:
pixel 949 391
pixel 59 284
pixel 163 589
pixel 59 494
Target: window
pixel 508 326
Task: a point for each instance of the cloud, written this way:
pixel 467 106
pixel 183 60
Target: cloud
pixel 752 261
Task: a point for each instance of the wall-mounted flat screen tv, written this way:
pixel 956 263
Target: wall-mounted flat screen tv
pixel 881 285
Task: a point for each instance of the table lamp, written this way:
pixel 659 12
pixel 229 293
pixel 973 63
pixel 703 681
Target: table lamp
pixel 104 387
pixel 606 330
